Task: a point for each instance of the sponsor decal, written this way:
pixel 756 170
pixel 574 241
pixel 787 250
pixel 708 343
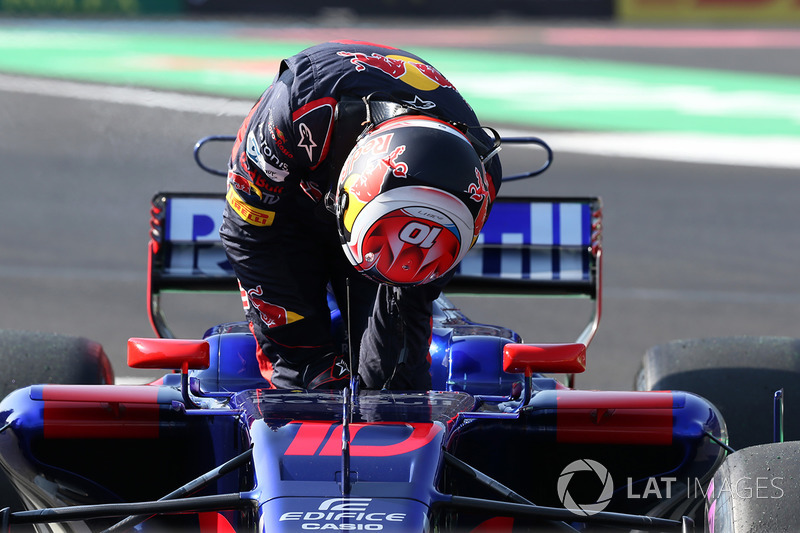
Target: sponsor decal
pixel 340 514
pixel 341 368
pixel 271 315
pixel 270 199
pixel 257 181
pixel 406 69
pixel 275 174
pixel 419 103
pixel 360 190
pixel 242 184
pixel 377 146
pixel 399 169
pixel 278 137
pixel 251 215
pixel 192 219
pixel 244 164
pixel 274 169
pixel 314 117
pixel 479 192
pixel 337 371
pixel 306 140
pixel 251 148
pixel 364 187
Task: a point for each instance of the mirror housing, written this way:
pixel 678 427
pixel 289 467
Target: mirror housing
pixel 168 354
pixel 544 358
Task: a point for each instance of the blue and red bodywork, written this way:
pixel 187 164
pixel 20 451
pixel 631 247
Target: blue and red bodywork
pixel 381 460
pixel 76 444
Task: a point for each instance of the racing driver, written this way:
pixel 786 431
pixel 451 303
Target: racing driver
pixel 360 173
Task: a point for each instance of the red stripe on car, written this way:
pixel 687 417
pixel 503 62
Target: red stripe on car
pixel 614 417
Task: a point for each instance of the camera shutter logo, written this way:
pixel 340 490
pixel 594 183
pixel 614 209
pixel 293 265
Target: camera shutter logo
pixel 585 465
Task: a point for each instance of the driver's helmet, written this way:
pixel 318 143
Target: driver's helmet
pixel 411 199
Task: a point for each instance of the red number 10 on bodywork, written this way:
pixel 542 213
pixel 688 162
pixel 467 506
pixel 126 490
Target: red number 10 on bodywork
pixel 325 438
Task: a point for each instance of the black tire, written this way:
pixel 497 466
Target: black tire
pixel 739 375
pixel 756 490
pixel 31 358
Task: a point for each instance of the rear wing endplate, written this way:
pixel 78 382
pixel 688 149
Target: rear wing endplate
pixel 185 253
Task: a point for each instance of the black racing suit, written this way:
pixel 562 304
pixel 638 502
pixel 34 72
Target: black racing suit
pixel 283 243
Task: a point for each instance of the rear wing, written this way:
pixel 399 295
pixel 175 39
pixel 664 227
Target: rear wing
pixel 538 247
pixel 529 247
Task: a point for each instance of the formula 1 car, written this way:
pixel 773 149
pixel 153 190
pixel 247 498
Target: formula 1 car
pixel 498 445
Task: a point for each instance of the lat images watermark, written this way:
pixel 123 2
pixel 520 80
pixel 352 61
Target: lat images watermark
pixel 745 487
pixel 658 487
pixel 585 465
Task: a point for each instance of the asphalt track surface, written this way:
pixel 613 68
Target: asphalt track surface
pixel 690 249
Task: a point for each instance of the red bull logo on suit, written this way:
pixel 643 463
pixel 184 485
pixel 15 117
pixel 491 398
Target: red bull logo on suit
pixel 409 70
pixel 272 315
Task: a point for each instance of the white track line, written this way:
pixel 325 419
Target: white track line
pixel 136 96
pixel 738 150
pixel 756 151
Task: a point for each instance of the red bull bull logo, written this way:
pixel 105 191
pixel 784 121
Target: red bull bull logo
pixel 361 188
pixel 242 184
pixel 409 70
pixel 479 192
pixel 271 315
pixel 364 187
pixel 399 169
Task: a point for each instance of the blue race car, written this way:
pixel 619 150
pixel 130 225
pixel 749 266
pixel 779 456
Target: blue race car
pixel 496 446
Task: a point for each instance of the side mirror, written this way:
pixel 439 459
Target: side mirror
pixel 550 358
pixel 168 354
pixel 171 354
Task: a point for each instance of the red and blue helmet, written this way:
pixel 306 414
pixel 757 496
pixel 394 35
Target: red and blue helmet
pixel 411 199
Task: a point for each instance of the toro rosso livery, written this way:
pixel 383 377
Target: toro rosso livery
pixel 370 144
pixel 495 445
